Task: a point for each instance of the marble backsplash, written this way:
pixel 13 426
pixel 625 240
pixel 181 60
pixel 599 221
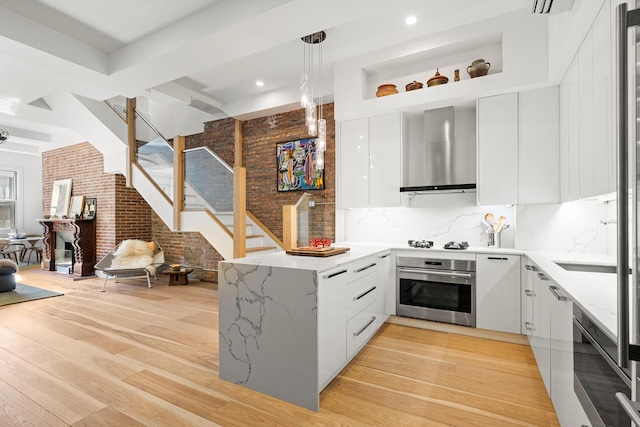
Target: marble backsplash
pixel 567 227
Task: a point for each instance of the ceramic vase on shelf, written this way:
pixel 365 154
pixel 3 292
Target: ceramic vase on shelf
pixel 478 68
pixel 386 89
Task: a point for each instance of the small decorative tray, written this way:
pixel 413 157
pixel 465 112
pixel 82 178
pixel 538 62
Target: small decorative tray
pixel 318 252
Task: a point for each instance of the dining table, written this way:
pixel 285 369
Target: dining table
pixel 28 241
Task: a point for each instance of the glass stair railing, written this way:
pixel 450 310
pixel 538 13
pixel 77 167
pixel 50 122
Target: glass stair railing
pixel 154 154
pixel 208 181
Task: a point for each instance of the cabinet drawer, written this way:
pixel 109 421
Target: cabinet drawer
pixel 363 267
pixel 361 293
pixel 361 327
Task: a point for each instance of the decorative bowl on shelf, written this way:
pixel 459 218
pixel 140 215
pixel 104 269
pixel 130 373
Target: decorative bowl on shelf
pixel 413 86
pixel 478 68
pixel 437 79
pixel 386 89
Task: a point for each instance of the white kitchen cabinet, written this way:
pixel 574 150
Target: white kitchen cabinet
pixel 386 147
pixel 387 285
pixel 538 146
pixel 498 292
pixel 603 102
pixel 540 339
pixel 587 114
pixel 517 133
pixel 528 297
pixel 497 123
pixel 371 165
pixel 354 164
pixel 573 107
pixel 332 318
pixel 566 403
pixel 586 118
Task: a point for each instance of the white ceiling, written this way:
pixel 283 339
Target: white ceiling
pixel 205 53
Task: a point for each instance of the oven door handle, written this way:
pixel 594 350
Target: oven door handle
pixel 436 272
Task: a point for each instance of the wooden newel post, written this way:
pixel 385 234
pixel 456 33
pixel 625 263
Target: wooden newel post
pixel 289 227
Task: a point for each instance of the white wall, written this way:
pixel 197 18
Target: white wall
pixel 568 227
pixel 29 189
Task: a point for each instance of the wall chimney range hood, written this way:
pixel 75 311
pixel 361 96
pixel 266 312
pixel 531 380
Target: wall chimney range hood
pixel 442 157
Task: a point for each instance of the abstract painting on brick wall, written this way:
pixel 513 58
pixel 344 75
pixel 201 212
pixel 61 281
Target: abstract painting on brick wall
pixel 296 163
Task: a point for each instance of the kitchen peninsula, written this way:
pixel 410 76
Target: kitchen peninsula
pixel 290 324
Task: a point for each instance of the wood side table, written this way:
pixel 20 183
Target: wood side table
pixel 178 277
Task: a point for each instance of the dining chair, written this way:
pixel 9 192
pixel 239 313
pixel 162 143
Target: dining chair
pixel 35 248
pixel 13 251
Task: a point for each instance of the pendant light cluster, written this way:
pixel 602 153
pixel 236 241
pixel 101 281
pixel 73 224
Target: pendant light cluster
pixel 316 124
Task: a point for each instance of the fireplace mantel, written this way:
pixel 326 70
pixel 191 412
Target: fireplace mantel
pixel 84 244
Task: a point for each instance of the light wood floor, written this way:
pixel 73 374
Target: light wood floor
pixel 135 356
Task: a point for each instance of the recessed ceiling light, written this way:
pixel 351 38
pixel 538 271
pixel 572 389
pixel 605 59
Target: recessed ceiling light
pixel 411 20
pixel 260 83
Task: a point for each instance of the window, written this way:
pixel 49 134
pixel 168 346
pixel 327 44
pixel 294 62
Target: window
pixel 8 198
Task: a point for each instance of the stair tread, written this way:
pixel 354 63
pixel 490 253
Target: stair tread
pixel 260 248
pixel 253 236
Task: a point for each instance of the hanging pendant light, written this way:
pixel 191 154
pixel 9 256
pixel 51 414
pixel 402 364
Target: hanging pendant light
pixel 308 82
pixel 321 142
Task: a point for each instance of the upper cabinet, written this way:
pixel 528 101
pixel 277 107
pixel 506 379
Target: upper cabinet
pixel 518 134
pixel 587 115
pixel 498 150
pixel 370 161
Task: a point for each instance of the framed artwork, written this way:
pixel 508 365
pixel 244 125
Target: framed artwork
pixel 296 166
pixel 90 207
pixel 76 206
pixel 60 197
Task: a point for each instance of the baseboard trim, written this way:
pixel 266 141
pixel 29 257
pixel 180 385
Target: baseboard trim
pixel 461 330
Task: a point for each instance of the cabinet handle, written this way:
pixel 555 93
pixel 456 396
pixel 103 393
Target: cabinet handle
pixel 498 258
pixel 365 268
pixel 337 273
pixel 529 293
pixel 383 256
pixel 530 267
pixel 365 293
pixel 542 276
pixel 554 291
pixel 355 334
pixel 529 326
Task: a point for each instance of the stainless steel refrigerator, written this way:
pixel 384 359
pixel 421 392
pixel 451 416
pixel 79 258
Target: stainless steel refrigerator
pixel 628 187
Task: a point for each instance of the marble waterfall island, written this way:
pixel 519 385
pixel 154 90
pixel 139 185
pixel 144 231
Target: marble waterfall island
pixel 268 323
pixel 284 320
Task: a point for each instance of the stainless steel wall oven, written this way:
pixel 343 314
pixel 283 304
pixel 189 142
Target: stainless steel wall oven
pixel 437 289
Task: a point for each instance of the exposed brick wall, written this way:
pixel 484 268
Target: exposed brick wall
pixel 187 248
pixel 84 165
pixel 259 157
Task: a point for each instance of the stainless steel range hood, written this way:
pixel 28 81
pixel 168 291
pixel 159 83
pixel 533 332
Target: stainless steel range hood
pixel 442 156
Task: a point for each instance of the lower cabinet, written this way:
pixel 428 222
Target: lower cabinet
pixel 332 316
pixel 351 309
pixel 548 322
pixel 540 339
pixel 498 292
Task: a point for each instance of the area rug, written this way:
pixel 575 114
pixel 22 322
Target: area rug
pixel 23 293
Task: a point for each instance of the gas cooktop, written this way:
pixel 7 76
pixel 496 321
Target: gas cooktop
pixel 420 243
pixel 456 245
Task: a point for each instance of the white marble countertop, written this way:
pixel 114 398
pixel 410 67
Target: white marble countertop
pixel 281 259
pixel 595 293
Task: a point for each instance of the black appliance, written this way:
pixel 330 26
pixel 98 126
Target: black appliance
pixel 597 375
pixel 442 290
